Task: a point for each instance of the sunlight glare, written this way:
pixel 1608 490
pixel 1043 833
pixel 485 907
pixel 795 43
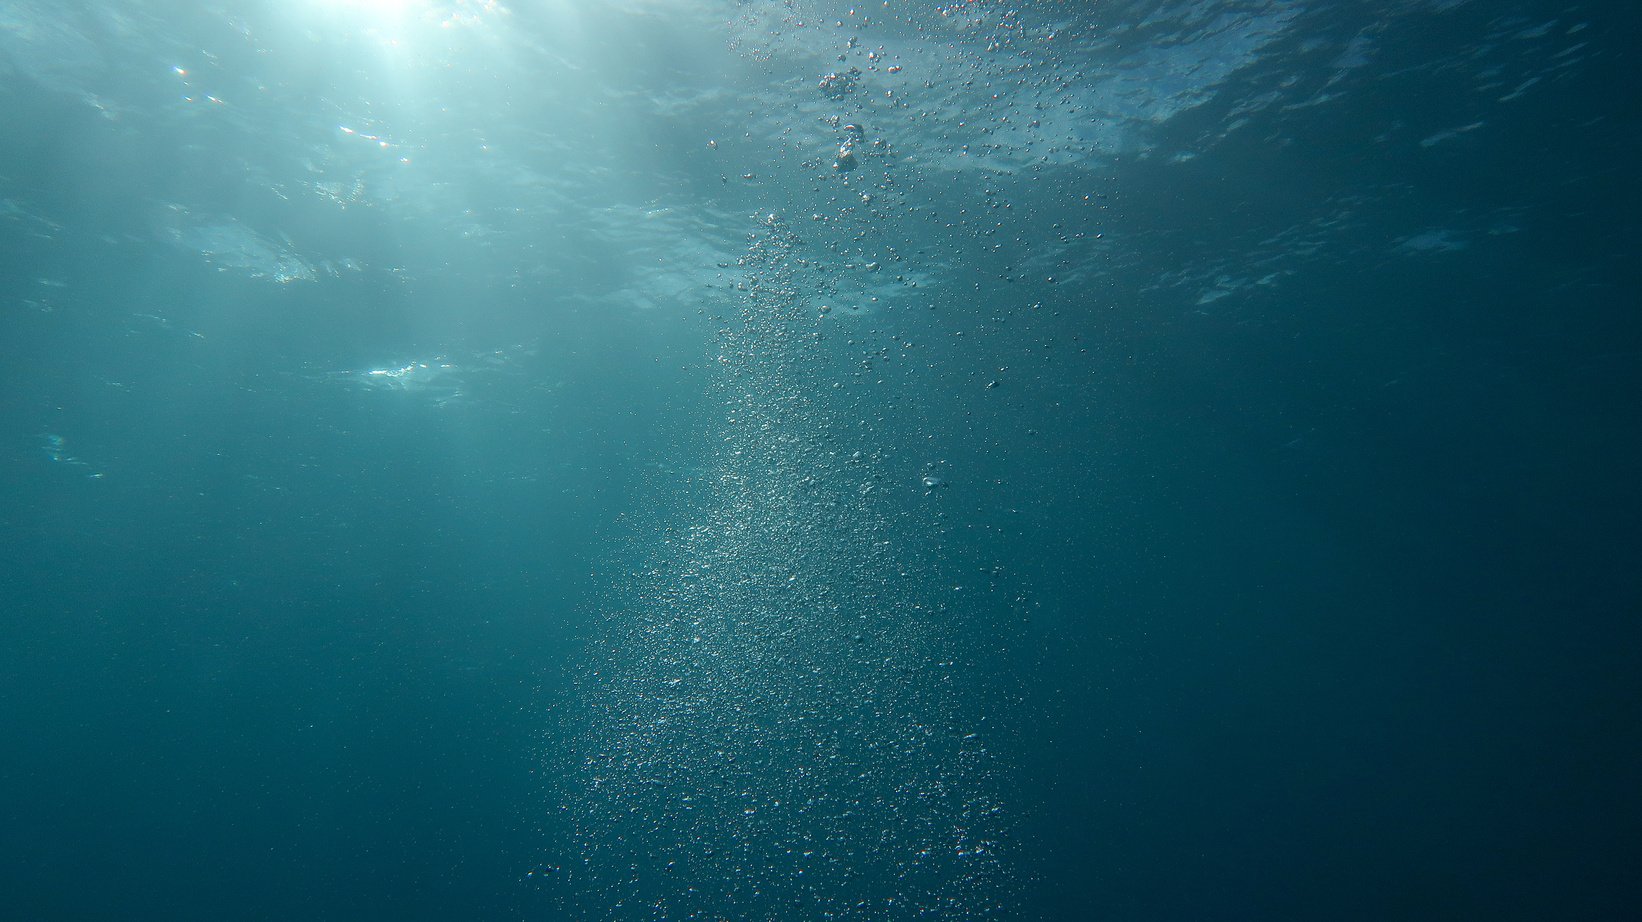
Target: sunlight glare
pixel 377 9
pixel 401 28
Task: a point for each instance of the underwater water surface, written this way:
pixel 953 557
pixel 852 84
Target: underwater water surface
pixel 761 460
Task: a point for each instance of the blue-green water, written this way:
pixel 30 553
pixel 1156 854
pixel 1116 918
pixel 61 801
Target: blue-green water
pixel 694 460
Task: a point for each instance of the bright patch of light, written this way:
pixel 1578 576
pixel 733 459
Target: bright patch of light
pixel 389 12
pixel 400 25
pixel 384 19
pixel 385 23
pixel 385 9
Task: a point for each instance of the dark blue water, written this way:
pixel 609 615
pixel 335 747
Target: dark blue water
pixel 702 460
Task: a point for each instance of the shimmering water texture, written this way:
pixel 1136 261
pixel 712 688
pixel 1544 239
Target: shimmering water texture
pixel 766 460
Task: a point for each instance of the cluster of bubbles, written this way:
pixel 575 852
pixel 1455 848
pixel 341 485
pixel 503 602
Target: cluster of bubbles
pixel 775 725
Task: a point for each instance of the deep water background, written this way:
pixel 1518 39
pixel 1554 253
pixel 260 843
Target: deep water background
pixel 1278 365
